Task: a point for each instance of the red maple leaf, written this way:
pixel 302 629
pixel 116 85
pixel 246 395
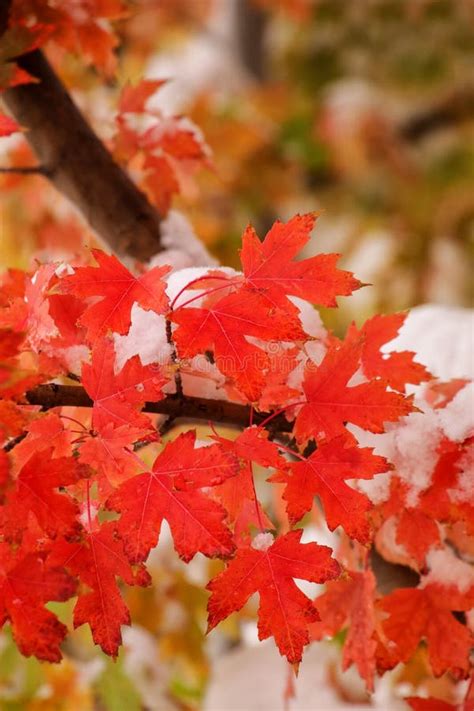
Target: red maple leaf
pixel 35 492
pixel 134 98
pixel 118 396
pixel 172 491
pixel 223 328
pixel 284 611
pixel 66 310
pixel 417 532
pixel 397 368
pixel 98 560
pixel 438 394
pixel 84 32
pixel 15 379
pixel 118 289
pixel 27 583
pixel 47 432
pixel 350 601
pixel 323 474
pixel 268 265
pixel 12 299
pixel 331 402
pixel 439 500
pixel 171 148
pixel 426 613
pixel 253 444
pixel 13 419
pixel 110 453
pixel 237 494
pixel 416 529
pixel 277 392
pixel 466 704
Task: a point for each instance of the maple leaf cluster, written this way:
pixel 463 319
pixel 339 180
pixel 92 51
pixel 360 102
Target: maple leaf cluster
pixel 82 28
pixel 165 153
pixel 84 492
pixel 162 152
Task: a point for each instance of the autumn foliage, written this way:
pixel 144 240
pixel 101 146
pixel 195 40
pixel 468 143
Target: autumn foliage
pixel 84 491
pixel 60 483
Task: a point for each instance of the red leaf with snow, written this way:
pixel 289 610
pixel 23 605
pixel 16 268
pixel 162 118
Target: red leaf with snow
pixel 119 396
pixel 223 328
pixel 417 532
pixel 397 368
pixel 331 402
pixel 118 289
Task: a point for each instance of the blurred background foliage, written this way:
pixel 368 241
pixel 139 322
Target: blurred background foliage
pixel 363 109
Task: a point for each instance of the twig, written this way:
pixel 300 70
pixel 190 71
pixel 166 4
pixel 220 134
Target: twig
pixel 177 377
pixel 13 442
pixel 27 170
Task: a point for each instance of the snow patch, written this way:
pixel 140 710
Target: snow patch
pixel 447 569
pixel 443 339
pixel 464 491
pixel 262 541
pixel 415 451
pixel 146 338
pixel 457 418
pixel 182 248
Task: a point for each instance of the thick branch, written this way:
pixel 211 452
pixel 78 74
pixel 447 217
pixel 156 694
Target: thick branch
pixel 451 110
pixel 79 165
pixel 186 407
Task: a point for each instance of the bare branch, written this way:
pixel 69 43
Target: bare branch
pixel 79 165
pixel 176 406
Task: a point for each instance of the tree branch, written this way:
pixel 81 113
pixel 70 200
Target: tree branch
pixel 176 406
pixel 389 576
pixel 79 165
pixel 455 108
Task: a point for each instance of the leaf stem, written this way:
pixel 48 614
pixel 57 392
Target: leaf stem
pixel 196 281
